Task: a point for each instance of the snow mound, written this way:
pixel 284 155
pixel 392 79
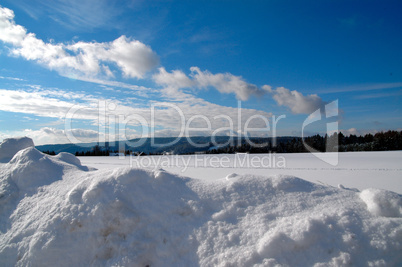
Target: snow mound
pixel 382 203
pixel 9 147
pixel 118 217
pixel 137 217
pixel 30 169
pixel 68 158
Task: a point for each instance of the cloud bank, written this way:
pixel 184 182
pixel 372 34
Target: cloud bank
pixel 123 121
pixel 227 83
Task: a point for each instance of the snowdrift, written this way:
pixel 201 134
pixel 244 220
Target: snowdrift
pixel 9 147
pixel 55 212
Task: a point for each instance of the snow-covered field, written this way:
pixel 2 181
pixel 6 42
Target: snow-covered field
pixel 55 211
pixel 359 170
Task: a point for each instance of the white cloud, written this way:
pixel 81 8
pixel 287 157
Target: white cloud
pixel 176 79
pixel 48 135
pixel 296 101
pixel 224 82
pixel 36 103
pixel 9 31
pixel 11 78
pixel 81 59
pixel 133 57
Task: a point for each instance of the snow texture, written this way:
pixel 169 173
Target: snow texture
pixel 56 212
pixel 382 203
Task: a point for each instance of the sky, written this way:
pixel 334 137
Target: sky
pixel 98 70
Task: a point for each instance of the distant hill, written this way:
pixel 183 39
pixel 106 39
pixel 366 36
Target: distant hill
pixel 159 145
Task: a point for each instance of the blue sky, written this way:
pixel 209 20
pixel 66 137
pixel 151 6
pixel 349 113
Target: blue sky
pixel 196 62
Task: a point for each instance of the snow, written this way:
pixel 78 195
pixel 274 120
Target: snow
pixel 9 147
pixel 360 170
pixel 382 203
pixel 56 212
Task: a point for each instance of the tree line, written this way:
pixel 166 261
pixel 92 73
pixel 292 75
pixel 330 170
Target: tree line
pixel 382 141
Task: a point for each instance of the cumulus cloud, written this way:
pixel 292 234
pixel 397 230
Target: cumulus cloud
pixel 131 56
pixel 295 101
pixel 9 31
pixel 226 83
pixel 85 59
